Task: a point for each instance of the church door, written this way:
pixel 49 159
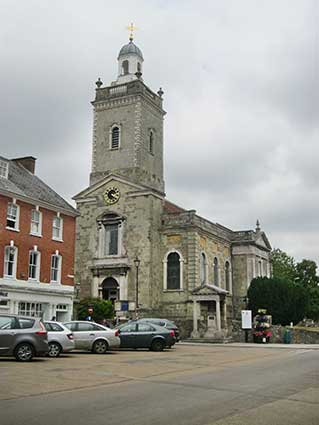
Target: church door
pixel 110 289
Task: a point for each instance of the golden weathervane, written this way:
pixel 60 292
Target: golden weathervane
pixel 131 28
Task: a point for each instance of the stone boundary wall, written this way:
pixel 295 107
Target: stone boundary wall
pixel 299 335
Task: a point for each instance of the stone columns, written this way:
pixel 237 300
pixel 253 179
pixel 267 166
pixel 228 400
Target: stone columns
pixel 218 315
pixel 195 333
pixel 95 287
pixel 225 314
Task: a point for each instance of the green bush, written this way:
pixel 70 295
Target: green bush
pixel 102 309
pixel 282 299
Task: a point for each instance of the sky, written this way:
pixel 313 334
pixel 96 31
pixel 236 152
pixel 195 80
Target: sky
pixel 241 91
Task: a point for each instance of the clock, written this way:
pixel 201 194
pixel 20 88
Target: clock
pixel 111 195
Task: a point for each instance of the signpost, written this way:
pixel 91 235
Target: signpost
pixel 246 322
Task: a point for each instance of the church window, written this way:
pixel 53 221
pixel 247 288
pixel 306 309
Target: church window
pixel 110 234
pixel 202 266
pixel 125 67
pixel 216 274
pixel 227 276
pixel 139 68
pixel 111 239
pixel 151 142
pixel 115 137
pixel 173 271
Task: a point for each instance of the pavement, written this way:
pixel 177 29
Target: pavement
pixel 252 345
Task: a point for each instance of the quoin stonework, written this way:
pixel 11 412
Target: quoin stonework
pixel 135 247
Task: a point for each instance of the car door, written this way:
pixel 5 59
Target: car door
pixel 84 335
pixel 145 332
pixel 8 331
pixel 127 335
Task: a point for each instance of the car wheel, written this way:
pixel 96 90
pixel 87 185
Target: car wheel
pixel 157 345
pixel 55 349
pixel 100 347
pixel 24 352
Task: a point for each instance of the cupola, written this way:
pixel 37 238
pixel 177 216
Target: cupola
pixel 130 62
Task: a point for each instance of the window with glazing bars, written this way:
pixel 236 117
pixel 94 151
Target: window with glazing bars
pixel 12 216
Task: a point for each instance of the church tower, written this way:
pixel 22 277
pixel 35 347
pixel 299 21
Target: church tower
pixel 128 125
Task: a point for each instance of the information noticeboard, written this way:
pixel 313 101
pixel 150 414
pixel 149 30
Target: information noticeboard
pixel 246 319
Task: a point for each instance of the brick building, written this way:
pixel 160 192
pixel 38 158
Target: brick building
pixel 37 236
pixel 140 250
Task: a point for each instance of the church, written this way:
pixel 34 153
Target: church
pixel 149 256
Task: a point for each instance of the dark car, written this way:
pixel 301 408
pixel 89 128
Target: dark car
pixel 168 324
pixel 22 337
pixel 137 334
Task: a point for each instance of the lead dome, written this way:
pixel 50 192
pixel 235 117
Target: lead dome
pixel 130 48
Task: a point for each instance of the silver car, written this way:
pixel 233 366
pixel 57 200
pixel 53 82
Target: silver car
pixel 59 337
pixel 92 336
pixel 22 337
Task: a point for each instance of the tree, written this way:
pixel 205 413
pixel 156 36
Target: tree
pixel 102 309
pixel 283 265
pixel 306 274
pixel 283 300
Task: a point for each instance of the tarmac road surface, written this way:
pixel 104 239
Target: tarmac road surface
pixel 188 385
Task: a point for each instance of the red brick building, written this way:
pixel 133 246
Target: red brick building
pixel 37 238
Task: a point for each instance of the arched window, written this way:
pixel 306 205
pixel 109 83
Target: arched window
pixel 151 142
pixel 227 276
pixel 115 137
pixel 125 67
pixel 139 67
pixel 216 277
pixel 173 271
pixel 202 265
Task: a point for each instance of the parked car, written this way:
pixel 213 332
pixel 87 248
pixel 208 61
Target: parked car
pixel 168 324
pixel 92 336
pixel 23 337
pixel 60 338
pixel 137 334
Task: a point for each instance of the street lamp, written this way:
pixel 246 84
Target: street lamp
pixel 137 262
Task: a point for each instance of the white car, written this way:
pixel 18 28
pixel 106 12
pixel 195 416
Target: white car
pixel 93 336
pixel 60 338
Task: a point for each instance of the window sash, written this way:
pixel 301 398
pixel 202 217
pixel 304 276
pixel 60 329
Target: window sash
pixel 57 228
pixel 3 169
pixel 55 268
pixel 34 265
pixel 30 309
pixel 12 216
pixel 10 261
pixel 35 222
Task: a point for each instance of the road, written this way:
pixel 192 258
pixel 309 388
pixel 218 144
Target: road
pixel 188 385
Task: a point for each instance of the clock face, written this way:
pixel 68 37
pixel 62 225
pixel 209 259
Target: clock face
pixel 111 195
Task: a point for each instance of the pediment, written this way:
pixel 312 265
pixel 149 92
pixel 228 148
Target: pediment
pixel 110 179
pixel 263 241
pixel 209 290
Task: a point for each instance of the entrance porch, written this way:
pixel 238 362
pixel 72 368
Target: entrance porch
pixel 210 313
